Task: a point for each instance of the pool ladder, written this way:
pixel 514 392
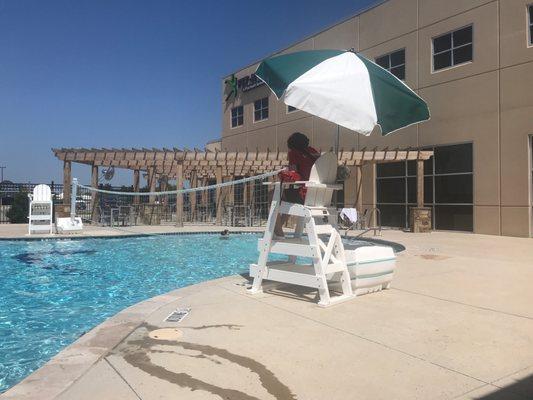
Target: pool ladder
pixel 363 222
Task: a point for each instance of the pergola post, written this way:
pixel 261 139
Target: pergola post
pixel 420 183
pixel 67 180
pixel 136 182
pixel 218 175
pixel 420 216
pixel 204 200
pixel 94 195
pixel 359 188
pixel 179 196
pixel 245 202
pixel 151 184
pixel 192 196
pixel 163 185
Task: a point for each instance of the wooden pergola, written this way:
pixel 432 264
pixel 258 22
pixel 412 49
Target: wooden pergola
pixel 199 166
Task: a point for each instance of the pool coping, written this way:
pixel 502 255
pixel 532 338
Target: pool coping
pixel 72 362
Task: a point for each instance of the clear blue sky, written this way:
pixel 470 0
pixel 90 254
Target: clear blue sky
pixel 121 73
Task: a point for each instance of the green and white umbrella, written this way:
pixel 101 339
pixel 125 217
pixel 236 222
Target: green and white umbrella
pixel 344 88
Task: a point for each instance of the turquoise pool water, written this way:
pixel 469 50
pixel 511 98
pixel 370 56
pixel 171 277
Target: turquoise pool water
pixel 51 292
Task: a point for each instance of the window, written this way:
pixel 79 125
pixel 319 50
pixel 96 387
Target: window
pixel 530 23
pixel 291 109
pixel 261 109
pixel 394 63
pixel 453 48
pixel 448 189
pixel 237 116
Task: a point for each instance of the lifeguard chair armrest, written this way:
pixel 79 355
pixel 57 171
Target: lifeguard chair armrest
pixel 307 184
pixel 311 184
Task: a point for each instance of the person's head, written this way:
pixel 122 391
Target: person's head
pixel 297 141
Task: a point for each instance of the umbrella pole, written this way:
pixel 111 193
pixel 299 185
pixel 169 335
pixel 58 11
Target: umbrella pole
pixel 337 137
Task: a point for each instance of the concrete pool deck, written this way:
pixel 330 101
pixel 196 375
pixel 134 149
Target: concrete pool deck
pixel 457 324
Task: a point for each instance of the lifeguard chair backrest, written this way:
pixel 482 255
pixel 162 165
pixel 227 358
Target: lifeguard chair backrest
pixel 323 171
pixel 42 193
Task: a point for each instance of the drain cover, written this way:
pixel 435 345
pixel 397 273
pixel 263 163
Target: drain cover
pixel 178 315
pixel 166 334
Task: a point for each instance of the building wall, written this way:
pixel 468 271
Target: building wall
pixel 488 102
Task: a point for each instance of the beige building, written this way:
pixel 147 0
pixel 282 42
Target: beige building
pixel 472 61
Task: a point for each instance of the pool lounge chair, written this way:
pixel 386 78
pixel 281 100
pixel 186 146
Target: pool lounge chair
pixel 40 210
pixel 332 266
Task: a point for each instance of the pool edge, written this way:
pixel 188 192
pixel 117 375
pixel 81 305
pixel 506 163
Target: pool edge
pixel 75 360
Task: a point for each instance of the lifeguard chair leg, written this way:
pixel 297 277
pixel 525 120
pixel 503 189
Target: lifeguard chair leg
pixel 266 242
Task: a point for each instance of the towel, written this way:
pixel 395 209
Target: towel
pixel 350 214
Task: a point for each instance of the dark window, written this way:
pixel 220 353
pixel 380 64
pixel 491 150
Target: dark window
pixel 530 24
pixel 456 218
pixel 448 188
pixel 453 189
pixel 393 215
pixel 394 63
pixel 453 48
pixel 390 169
pixel 453 159
pixel 291 109
pixel 261 109
pixel 390 190
pixel 237 116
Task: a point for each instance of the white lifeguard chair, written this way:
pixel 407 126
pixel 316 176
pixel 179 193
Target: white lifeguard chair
pixel 322 243
pixel 40 210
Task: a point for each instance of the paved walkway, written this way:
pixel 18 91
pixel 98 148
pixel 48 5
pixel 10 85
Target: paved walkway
pixel 457 324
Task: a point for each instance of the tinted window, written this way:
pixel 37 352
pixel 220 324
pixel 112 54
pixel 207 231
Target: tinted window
pixel 428 189
pixel 530 8
pixel 393 215
pixel 458 218
pixel 390 190
pixel 261 109
pixel 453 48
pixel 411 190
pixel 453 189
pixel 462 36
pixel 390 169
pixel 237 116
pixel 394 63
pixel 453 159
pixel 383 62
pixel 442 43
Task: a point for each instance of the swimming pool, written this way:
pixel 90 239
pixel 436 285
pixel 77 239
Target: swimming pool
pixel 53 291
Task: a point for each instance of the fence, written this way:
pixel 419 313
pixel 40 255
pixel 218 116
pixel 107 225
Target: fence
pixel 237 204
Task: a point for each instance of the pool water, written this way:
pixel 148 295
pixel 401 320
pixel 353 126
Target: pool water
pixel 51 292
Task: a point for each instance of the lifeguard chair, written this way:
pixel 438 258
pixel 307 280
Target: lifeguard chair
pixel 338 273
pixel 40 210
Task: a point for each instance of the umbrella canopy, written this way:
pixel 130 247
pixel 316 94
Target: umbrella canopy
pixel 345 88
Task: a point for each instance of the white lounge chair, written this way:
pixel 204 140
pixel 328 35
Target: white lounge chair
pixel 348 272
pixel 40 210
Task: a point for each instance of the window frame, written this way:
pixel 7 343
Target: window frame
pixel 262 109
pixel 451 49
pixel 404 49
pixel 237 117
pixel 529 24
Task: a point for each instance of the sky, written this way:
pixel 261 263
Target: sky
pixel 131 73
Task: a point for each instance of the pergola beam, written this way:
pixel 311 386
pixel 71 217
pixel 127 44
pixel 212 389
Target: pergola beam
pixel 205 164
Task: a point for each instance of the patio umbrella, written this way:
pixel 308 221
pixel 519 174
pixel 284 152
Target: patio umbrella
pixel 345 88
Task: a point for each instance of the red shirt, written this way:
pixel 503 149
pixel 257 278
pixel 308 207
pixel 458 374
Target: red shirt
pixel 300 164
